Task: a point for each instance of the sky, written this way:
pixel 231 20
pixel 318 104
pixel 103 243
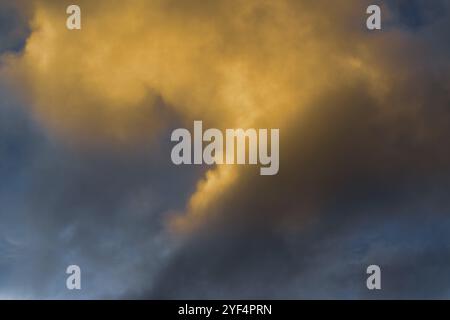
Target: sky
pixel 86 176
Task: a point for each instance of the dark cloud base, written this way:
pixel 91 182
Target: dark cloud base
pixel 353 191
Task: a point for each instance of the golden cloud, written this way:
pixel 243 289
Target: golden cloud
pixel 251 63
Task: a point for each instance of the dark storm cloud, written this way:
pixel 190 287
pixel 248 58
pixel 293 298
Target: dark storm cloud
pixel 289 236
pixel 98 208
pixel 361 182
pixel 416 14
pixel 13 27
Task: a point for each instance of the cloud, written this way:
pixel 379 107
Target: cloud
pixel 13 27
pixel 363 118
pixel 61 205
pixel 357 188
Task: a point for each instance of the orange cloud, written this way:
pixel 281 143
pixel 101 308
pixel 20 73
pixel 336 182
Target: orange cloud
pixel 230 63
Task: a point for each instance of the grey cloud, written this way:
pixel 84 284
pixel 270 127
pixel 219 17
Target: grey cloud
pixel 361 182
pixel 100 209
pixel 13 27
